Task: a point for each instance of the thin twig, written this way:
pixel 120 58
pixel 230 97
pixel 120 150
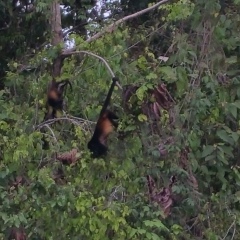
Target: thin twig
pixel 124 50
pixel 36 113
pixel 234 230
pixel 69 118
pixel 94 55
pixel 7 25
pixel 113 195
pixel 82 120
pixel 73 28
pixel 54 137
pixel 233 224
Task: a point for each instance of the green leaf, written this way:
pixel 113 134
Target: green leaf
pixel 192 53
pixel 149 235
pixel 15 65
pixel 224 136
pixel 140 93
pixel 155 237
pixel 142 118
pixel 160 225
pixel 148 223
pixel 210 157
pixel 169 73
pixel 151 76
pixel 237 104
pixel 141 231
pixel 237 195
pixel 221 156
pixel 235 136
pixel 132 233
pixel 207 150
pixel 227 150
pixel 233 110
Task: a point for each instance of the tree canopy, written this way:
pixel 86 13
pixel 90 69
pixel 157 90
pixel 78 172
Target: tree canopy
pixel 172 168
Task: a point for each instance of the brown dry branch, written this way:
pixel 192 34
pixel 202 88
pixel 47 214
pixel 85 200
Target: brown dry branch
pixel 59 177
pixel 223 79
pixel 162 146
pixel 69 157
pixel 160 94
pixel 186 165
pixel 15 184
pixel 183 160
pixel 18 181
pixel 163 197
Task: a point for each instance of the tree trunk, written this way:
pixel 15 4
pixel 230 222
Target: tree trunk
pixel 57 36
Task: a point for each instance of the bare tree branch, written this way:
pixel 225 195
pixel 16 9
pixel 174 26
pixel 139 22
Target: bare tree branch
pixel 7 25
pixel 73 28
pixel 95 55
pixel 72 119
pixel 53 135
pixel 113 26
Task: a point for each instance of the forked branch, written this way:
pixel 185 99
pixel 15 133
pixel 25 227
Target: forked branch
pixel 113 26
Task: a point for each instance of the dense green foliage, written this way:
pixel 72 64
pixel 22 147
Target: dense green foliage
pixel 195 138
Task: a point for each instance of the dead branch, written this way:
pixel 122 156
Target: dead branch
pixel 68 158
pixel 72 119
pixel 162 197
pixel 163 100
